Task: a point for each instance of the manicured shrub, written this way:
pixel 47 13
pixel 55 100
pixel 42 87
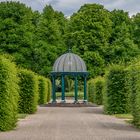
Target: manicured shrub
pixel 8 94
pixel 98 90
pixel 135 94
pixel 90 87
pixel 28 92
pixel 49 90
pixel 43 90
pixel 117 90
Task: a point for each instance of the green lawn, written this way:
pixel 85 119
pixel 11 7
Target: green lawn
pixel 71 94
pixel 22 116
pixel 124 116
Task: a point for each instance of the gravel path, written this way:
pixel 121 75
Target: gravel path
pixel 85 123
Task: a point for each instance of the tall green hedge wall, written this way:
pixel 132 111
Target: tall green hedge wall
pixel 49 90
pixel 28 92
pixel 43 90
pixel 135 94
pixel 90 89
pixel 19 93
pixel 8 94
pixel 117 90
pixel 98 90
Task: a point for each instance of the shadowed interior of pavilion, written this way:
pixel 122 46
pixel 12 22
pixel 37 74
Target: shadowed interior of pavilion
pixel 69 64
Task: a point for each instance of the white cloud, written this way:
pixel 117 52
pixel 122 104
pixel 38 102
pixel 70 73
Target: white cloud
pixel 131 6
pixel 70 6
pixel 115 4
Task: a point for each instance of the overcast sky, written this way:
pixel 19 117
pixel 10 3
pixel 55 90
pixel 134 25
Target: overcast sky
pixel 70 6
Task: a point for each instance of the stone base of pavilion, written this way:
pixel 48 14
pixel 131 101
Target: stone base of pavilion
pixel 70 103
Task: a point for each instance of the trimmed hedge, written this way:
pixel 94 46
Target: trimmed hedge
pixel 8 94
pixel 28 92
pixel 98 90
pixel 117 91
pixel 135 94
pixel 43 90
pixel 90 87
pixel 49 90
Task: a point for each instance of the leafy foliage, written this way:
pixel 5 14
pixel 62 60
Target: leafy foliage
pixel 48 40
pixel 33 39
pixel 16 30
pixel 8 94
pixel 89 31
pixel 43 90
pixel 95 90
pixel 135 94
pixel 49 90
pixel 98 89
pixel 117 90
pixel 28 92
pixel 99 36
pixel 136 29
pixel 122 47
pixel 91 90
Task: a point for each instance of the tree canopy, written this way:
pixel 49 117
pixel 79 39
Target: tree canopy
pixel 99 36
pixel 89 31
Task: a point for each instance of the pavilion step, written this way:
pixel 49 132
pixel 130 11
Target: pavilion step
pixel 69 105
